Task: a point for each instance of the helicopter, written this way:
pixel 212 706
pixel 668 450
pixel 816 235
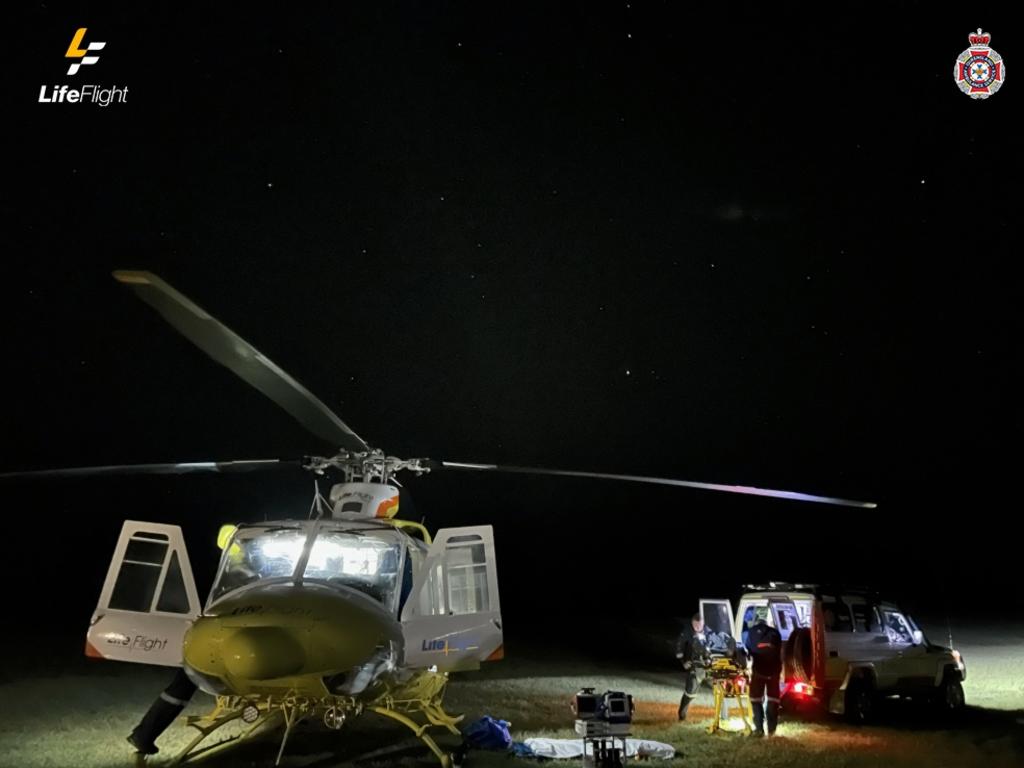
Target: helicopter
pixel 349 611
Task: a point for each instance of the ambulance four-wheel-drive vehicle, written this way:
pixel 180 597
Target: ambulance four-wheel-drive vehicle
pixel 844 648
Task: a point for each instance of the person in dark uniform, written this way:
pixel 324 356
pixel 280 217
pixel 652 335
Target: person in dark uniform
pixel 162 713
pixel 764 644
pixel 692 652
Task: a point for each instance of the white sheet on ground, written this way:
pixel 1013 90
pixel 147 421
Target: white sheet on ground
pixel 569 748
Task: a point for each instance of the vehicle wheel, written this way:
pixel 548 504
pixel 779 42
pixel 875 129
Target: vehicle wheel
pixel 949 698
pixel 860 701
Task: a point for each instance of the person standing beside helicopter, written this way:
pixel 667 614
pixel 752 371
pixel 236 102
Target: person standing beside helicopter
pixel 161 713
pixel 692 652
pixel 176 696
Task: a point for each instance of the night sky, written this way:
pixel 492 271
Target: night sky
pixel 736 244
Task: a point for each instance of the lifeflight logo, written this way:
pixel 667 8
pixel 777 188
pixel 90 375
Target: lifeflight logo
pixel 75 51
pixel 82 54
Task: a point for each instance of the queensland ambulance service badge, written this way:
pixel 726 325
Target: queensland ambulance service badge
pixel 979 71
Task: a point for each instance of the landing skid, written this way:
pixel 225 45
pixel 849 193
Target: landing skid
pixel 267 713
pixel 228 710
pixel 436 716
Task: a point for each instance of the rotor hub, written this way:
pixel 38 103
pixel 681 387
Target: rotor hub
pixel 372 466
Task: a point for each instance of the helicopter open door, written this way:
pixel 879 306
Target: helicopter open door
pixel 148 600
pixel 452 619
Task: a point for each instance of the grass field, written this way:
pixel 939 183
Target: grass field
pixel 77 713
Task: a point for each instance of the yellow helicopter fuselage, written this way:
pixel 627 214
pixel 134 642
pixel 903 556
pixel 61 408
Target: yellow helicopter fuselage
pixel 348 612
pixel 307 639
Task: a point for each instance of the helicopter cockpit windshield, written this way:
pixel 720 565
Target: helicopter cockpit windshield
pixel 367 560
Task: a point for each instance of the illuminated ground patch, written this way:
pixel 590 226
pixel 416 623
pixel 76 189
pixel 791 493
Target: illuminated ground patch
pixel 79 716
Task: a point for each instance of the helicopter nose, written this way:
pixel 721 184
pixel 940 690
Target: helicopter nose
pixel 276 636
pixel 262 653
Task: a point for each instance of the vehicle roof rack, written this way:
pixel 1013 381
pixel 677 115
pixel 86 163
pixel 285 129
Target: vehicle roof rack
pixel 816 589
pixel 849 589
pixel 772 586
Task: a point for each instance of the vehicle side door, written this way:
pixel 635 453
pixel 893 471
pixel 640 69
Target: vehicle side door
pixel 718 617
pixel 912 666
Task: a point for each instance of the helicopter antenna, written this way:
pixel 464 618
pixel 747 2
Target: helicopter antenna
pixel 319 507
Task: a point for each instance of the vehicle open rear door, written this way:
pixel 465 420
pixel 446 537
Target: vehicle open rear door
pixel 452 619
pixel 148 600
pixel 785 616
pixel 717 616
pixel 803 655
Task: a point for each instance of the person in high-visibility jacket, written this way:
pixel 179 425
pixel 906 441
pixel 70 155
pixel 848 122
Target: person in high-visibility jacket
pixel 764 644
pixel 176 696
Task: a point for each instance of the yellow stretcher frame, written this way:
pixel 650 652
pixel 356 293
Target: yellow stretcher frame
pixel 730 683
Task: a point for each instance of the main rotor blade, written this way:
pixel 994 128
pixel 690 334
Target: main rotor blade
pixel 182 468
pixel 241 358
pixel 744 489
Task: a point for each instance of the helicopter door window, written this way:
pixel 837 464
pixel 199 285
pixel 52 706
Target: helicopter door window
pixel 466 561
pixel 458 577
pixel 432 597
pixel 173 598
pixel 139 576
pixel 433 594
